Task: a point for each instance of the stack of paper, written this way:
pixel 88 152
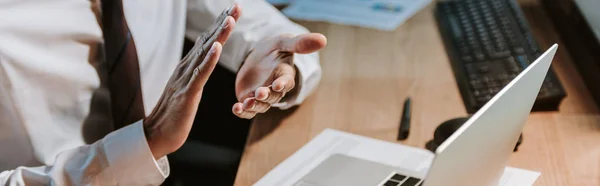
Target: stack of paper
pixel 377 14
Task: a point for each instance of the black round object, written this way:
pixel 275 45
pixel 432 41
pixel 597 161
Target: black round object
pixel 446 129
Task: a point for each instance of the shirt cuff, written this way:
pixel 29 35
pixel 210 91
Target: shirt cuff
pixel 309 74
pixel 130 159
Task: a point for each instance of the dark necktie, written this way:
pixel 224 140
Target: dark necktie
pixel 123 69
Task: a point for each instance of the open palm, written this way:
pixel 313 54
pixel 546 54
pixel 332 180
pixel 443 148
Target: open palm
pixel 268 73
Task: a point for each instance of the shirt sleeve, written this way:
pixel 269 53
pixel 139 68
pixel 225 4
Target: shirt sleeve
pixel 121 158
pixel 259 21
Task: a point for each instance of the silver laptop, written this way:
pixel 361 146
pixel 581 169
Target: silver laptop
pixel 475 155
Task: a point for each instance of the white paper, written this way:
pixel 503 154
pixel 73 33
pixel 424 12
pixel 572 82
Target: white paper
pixel 332 141
pixel 364 13
pixel 517 177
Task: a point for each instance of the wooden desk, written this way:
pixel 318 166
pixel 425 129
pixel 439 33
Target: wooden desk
pixel 367 74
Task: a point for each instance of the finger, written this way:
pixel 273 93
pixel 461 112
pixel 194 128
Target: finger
pixel 183 66
pixel 284 83
pixel 202 72
pixel 286 57
pixel 268 95
pixel 216 26
pixel 262 93
pixel 243 96
pixel 236 12
pixel 252 105
pixel 239 111
pixel 226 31
pixel 214 29
pixel 226 26
pixel 223 35
pixel 302 44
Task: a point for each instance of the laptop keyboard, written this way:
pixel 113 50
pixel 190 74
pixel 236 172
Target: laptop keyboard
pixel 402 180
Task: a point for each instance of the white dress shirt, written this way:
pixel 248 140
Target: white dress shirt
pixel 54 110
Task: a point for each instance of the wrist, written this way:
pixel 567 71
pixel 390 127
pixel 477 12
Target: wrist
pixel 152 137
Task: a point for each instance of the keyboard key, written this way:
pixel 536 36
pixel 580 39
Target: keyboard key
pixel 479 55
pixel 476 84
pixel 503 77
pixel 499 54
pixel 485 79
pixel 398 177
pixel 481 100
pixel 467 58
pixel 496 89
pixel 391 183
pixel 484 69
pixel 488 97
pixel 411 182
pixel 519 50
pixel 543 91
pixel 471 68
pixel 474 76
pixel 488 46
pixel 511 65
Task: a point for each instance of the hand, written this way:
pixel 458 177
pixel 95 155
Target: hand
pixel 169 124
pixel 268 73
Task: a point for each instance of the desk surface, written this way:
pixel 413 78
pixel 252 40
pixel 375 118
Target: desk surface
pixel 367 74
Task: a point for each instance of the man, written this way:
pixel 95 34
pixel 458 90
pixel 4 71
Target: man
pixel 55 93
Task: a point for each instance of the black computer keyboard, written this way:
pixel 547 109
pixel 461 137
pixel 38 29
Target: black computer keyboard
pixel 489 43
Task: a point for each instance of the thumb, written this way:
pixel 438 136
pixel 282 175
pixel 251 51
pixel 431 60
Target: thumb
pixel 302 44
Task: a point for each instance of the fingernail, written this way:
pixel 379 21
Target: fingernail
pixel 225 24
pixel 212 48
pixel 280 88
pixel 261 98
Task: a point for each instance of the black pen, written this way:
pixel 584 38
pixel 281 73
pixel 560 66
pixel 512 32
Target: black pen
pixel 404 128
